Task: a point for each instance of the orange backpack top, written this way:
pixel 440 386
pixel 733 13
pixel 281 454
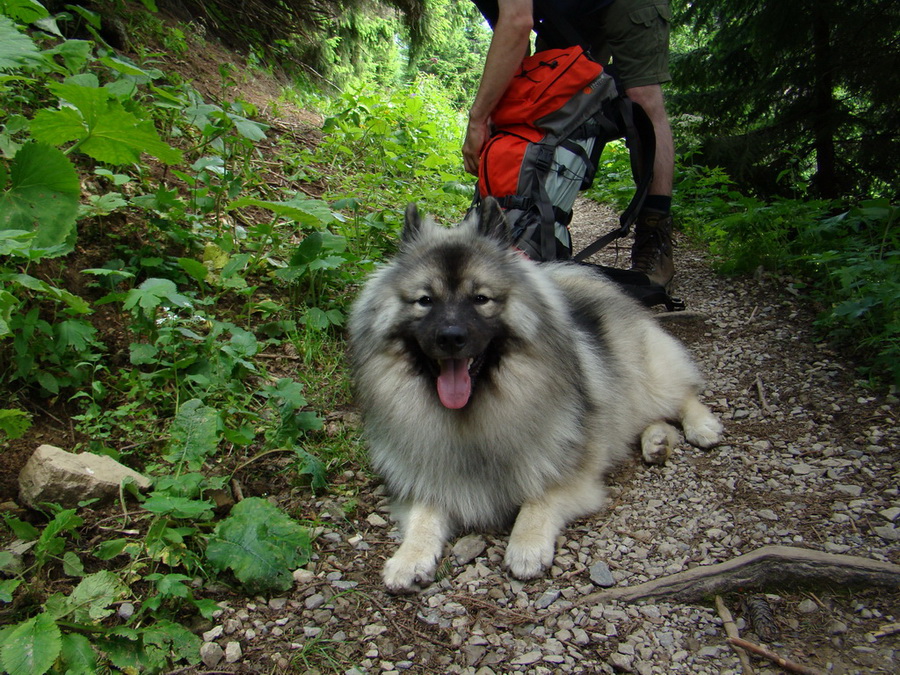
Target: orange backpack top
pixel 549 129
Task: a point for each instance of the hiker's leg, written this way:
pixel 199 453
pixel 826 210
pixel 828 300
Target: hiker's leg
pixel 637 32
pixel 650 98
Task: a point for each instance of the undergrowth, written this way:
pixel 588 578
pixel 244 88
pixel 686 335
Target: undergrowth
pixel 186 312
pixel 845 256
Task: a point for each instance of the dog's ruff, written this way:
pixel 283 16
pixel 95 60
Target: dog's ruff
pixel 495 391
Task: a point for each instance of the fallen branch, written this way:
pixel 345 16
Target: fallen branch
pixel 887 629
pixel 731 631
pixel 765 567
pixel 772 656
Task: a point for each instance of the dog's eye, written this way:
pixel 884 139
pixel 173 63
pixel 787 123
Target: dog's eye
pixel 424 301
pixel 481 299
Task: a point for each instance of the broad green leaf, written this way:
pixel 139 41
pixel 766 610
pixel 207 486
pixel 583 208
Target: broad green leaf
pixel 154 292
pixel 48 381
pixel 75 334
pixel 75 303
pixel 7 302
pixel 260 545
pixel 127 68
pixel 92 597
pixel 330 262
pixel 26 11
pixel 103 205
pixel 171 585
pixel 194 435
pixel 14 423
pixel 250 130
pixel 78 655
pixel 307 421
pixel 194 268
pixel 42 197
pixel 7 588
pixel 63 522
pixel 32 647
pixel 215 256
pixel 72 565
pixel 288 391
pixel 188 484
pixel 142 354
pixel 15 48
pixel 24 531
pixel 306 211
pixel 316 319
pixel 178 507
pixel 103 128
pixel 15 242
pixel 74 53
pixel 313 467
pixel 51 543
pixel 207 607
pixel 109 549
pixel 307 250
pixel 175 639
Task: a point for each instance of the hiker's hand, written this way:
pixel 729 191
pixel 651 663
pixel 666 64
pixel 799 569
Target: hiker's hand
pixel 476 137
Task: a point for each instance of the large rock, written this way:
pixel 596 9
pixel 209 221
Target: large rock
pixel 60 477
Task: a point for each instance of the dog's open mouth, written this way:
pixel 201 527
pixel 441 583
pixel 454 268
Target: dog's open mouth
pixel 454 381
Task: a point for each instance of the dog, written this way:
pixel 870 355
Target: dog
pixel 497 391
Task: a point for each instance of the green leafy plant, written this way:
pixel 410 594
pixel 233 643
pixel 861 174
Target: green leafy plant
pixel 14 423
pixel 260 545
pixel 856 257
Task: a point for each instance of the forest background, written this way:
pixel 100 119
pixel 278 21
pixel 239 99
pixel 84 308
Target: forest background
pixel 176 265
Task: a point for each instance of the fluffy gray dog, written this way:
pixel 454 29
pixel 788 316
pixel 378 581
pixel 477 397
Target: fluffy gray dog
pixel 498 391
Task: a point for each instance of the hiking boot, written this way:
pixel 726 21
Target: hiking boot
pixel 652 249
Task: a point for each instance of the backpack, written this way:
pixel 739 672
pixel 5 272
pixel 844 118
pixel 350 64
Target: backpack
pixel 549 130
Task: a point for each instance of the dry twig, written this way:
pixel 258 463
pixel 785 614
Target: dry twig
pixel 731 631
pixel 760 389
pixel 887 629
pixel 772 656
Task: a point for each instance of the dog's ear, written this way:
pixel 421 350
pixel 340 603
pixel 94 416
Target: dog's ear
pixel 412 224
pixel 492 221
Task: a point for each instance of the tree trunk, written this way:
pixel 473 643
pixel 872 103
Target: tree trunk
pixel 825 181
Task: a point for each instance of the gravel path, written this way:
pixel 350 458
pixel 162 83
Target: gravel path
pixel 810 460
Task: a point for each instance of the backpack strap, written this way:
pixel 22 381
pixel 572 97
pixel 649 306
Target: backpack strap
pixel 641 142
pixel 544 204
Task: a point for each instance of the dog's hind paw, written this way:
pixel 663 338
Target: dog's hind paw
pixel 405 574
pixel 657 441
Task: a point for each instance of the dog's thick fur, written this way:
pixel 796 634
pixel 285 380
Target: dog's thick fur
pixel 495 390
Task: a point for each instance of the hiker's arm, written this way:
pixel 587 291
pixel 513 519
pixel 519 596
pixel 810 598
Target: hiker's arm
pixel 509 45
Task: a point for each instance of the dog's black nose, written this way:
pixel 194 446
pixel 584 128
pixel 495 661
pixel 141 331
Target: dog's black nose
pixel 452 338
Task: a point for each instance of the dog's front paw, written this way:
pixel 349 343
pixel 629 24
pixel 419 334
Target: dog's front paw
pixel 406 573
pixel 528 557
pixel 704 432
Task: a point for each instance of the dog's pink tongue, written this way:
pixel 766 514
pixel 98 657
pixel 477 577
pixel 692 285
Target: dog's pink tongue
pixel 454 384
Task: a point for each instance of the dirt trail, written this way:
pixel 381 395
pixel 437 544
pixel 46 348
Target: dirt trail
pixel 810 460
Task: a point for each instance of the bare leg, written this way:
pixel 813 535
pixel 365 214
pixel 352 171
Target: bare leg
pixel 650 97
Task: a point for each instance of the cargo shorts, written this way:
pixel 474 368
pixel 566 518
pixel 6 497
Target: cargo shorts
pixel 633 35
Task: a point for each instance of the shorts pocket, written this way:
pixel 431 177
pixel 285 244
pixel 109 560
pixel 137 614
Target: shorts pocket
pixel 647 16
